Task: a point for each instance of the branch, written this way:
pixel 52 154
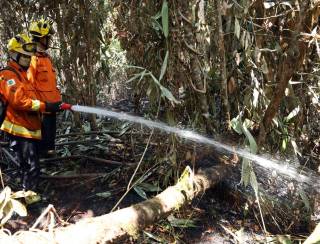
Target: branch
pixel 68 177
pixel 94 159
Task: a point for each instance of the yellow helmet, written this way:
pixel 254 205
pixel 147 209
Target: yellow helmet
pixel 22 43
pixel 41 28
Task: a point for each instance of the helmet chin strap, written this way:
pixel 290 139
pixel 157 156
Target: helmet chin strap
pixel 44 46
pixel 22 66
pixel 40 49
pixel 16 57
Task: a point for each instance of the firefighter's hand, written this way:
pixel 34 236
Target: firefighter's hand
pixel 65 106
pixel 53 107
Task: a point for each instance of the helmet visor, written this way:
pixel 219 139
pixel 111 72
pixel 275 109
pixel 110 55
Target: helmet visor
pixel 30 47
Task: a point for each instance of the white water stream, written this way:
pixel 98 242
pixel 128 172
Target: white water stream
pixel 280 167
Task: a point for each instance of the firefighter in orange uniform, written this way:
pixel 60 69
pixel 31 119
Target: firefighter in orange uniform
pixel 43 77
pixel 22 122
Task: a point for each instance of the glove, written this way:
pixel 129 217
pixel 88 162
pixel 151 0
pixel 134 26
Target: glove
pixel 65 106
pixel 53 107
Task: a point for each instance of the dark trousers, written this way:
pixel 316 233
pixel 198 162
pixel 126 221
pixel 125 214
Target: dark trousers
pixel 26 154
pixel 48 132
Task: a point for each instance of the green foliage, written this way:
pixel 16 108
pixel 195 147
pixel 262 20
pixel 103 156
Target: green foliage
pixel 164 66
pixel 165 18
pixel 242 128
pixel 163 90
pixel 9 204
pixel 247 173
pixel 181 223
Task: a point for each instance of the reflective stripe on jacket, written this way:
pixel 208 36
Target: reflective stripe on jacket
pixel 23 106
pixel 43 77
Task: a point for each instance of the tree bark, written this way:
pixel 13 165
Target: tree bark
pixel 116 226
pixel 290 62
pixel 223 68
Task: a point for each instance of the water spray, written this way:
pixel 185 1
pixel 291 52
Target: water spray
pixel 285 169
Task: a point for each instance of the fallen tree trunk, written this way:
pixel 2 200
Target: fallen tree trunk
pixel 120 224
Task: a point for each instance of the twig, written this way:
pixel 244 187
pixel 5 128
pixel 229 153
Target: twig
pixel 87 133
pixel 54 211
pixel 2 184
pixel 129 187
pixel 51 221
pixel 99 160
pixel 260 211
pixel 278 15
pixel 67 177
pixel 142 157
pixel 192 49
pixel 71 157
pixel 185 18
pixel 10 156
pixel 78 142
pixel 231 233
pixel 47 210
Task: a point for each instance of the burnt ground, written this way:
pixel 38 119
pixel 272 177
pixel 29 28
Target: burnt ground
pixel 222 215
pixel 210 215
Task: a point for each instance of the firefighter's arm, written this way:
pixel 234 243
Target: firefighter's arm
pixel 16 97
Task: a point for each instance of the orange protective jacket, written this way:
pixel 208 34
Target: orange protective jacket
pixel 23 106
pixel 43 77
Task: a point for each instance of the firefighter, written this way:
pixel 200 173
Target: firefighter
pixel 22 122
pixel 42 75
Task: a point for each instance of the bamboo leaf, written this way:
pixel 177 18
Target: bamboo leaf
pixel 19 208
pixel 4 198
pixel 142 74
pixel 284 144
pixel 292 114
pixel 235 125
pixel 295 147
pixel 247 43
pixel 245 172
pixel 149 187
pixel 157 16
pixel 181 223
pixel 134 77
pixel 237 28
pixel 254 182
pixel 7 212
pixel 255 98
pixel 264 66
pixel 148 234
pixel 155 79
pixel 20 194
pixel 164 66
pixel 165 18
pixel 252 142
pixel 164 91
pixel 305 199
pixel 106 194
pixel 140 192
pixel 32 199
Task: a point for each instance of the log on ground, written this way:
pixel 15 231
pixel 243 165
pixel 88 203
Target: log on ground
pixel 116 226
